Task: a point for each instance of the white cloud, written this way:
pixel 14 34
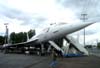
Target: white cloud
pixel 15 25
pixel 47 8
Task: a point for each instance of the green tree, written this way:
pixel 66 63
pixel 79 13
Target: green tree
pixel 17 37
pixel 2 40
pixel 13 37
pixel 88 46
pixel 21 36
pixel 31 33
pixel 98 45
pixel 24 36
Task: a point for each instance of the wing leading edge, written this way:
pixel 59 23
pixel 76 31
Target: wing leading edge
pixel 28 43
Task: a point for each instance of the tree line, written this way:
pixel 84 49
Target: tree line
pixel 98 45
pixel 17 37
pixel 90 46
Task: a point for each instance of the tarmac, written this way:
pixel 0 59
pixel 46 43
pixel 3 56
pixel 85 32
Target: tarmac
pixel 33 61
pixel 94 51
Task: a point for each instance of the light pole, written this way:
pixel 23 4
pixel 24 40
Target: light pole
pixel 84 18
pixel 6 33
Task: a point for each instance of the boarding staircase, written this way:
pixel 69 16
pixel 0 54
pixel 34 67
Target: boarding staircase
pixel 74 47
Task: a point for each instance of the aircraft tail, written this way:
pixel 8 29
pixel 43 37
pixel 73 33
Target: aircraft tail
pixel 27 36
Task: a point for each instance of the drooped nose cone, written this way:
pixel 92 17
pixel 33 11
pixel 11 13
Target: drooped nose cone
pixel 85 24
pixel 79 26
pixel 76 26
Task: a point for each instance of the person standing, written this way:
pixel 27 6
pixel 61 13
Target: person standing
pixel 54 59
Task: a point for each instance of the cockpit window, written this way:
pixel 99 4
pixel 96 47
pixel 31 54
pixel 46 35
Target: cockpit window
pixel 46 29
pixel 61 23
pixel 56 24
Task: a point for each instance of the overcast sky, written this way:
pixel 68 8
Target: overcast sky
pixel 23 15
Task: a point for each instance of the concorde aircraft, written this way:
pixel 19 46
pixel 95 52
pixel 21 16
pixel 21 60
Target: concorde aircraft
pixel 54 32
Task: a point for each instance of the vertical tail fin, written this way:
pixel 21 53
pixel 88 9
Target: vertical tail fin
pixel 27 36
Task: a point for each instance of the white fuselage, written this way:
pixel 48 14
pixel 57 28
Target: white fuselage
pixel 58 31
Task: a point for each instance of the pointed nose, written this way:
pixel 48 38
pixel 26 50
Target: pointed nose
pixel 78 26
pixel 83 25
